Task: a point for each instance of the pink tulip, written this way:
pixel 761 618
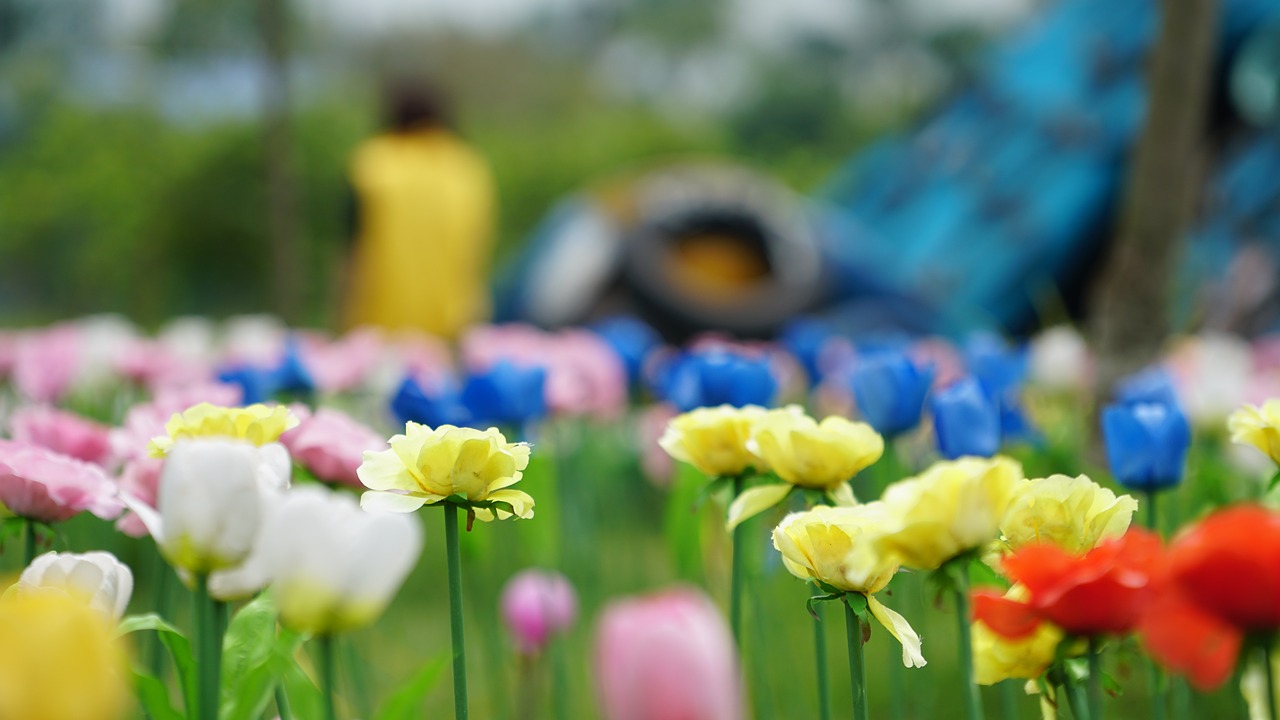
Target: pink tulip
pixel 332 445
pixel 342 364
pixel 140 480
pixel 668 655
pixel 62 432
pixel 45 363
pixel 42 485
pixel 537 604
pixel 159 367
pixel 145 421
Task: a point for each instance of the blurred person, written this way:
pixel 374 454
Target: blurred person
pixel 424 206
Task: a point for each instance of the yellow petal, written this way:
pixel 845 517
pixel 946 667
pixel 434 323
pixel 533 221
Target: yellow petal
pixel 900 629
pixel 842 495
pixel 377 501
pixel 754 501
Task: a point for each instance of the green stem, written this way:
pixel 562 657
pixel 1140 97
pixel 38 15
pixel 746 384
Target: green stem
pixel 357 678
pixel 1158 690
pixel 1075 699
pixel 162 595
pixel 29 548
pixel 972 695
pixel 737 579
pixel 1269 671
pixel 857 668
pixel 282 703
pixel 820 661
pixel 1009 700
pixel 455 612
pixel 1153 516
pixel 895 670
pixel 210 650
pixel 328 678
pixel 1095 678
pixel 559 679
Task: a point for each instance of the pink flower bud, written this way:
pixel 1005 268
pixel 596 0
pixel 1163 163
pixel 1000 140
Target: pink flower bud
pixel 537 604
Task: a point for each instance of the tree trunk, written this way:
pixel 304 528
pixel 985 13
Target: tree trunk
pixel 1131 312
pixel 286 260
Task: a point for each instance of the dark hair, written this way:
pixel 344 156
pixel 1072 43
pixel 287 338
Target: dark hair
pixel 413 106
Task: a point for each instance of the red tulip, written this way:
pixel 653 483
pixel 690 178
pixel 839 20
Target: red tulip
pixel 1222 582
pixel 1104 591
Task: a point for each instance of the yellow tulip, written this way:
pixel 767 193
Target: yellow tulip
pixel 425 466
pixel 713 440
pixel 258 424
pixel 806 453
pixel 837 546
pixel 952 508
pixel 1072 513
pixel 59 660
pixel 1258 426
pixel 996 658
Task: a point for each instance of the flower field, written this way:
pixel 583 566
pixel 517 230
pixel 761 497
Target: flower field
pixel 252 521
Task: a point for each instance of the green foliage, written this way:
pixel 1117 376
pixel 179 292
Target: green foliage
pixel 179 651
pixel 405 703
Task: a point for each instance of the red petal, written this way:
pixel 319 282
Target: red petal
pixel 1185 639
pixel 1007 618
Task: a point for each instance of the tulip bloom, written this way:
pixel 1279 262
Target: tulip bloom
pixel 1074 514
pixel 41 485
pixel 256 424
pixel 713 440
pixel 330 566
pixel 631 339
pixel 706 378
pixel 442 405
pixel 1258 427
pixel 97 577
pixel 952 508
pixel 668 655
pixel 1146 444
pixel 62 432
pixel 213 496
pixel 1060 359
pixel 965 420
pixel 806 453
pixel 332 445
pixel 890 390
pixel 837 546
pixel 537 604
pixel 426 467
pixel 1222 583
pixel 506 394
pixel 1104 591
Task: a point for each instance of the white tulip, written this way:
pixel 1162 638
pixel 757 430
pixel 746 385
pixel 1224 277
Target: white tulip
pixel 333 566
pixel 1212 372
pixel 1060 359
pixel 98 577
pixel 212 501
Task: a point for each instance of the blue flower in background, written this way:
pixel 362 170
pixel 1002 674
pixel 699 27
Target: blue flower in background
pixel 442 407
pixel 1153 385
pixel 890 390
pixel 631 339
pixel 998 367
pixel 805 339
pixel 262 384
pixel 1146 444
pixel 708 378
pixel 965 420
pixel 506 394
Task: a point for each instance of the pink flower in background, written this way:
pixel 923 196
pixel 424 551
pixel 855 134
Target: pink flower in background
pixel 158 366
pixel 942 355
pixel 140 480
pixel 537 604
pixel 42 485
pixel 332 445
pixel 45 363
pixel 8 352
pixel 62 432
pixel 342 364
pixel 584 376
pixel 668 655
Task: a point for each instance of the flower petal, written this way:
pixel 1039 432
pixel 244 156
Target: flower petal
pixel 376 501
pixel 754 501
pixel 900 629
pixel 842 495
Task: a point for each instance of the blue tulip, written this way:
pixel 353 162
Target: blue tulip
pixel 441 407
pixel 1153 385
pixel 890 390
pixel 999 368
pixel 805 339
pixel 1146 444
pixel 707 378
pixel 256 384
pixel 506 394
pixel 965 420
pixel 631 339
pixel 292 375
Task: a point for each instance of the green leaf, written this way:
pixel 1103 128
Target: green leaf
pixel 247 651
pixel 178 646
pixel 154 696
pixel 857 602
pixel 682 526
pixel 709 489
pixel 981 574
pixel 405 702
pixel 812 602
pixel 305 699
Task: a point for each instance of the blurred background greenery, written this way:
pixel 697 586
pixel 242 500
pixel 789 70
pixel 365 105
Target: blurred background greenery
pixel 132 150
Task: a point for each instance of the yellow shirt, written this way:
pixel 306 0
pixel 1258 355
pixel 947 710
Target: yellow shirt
pixel 424 242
